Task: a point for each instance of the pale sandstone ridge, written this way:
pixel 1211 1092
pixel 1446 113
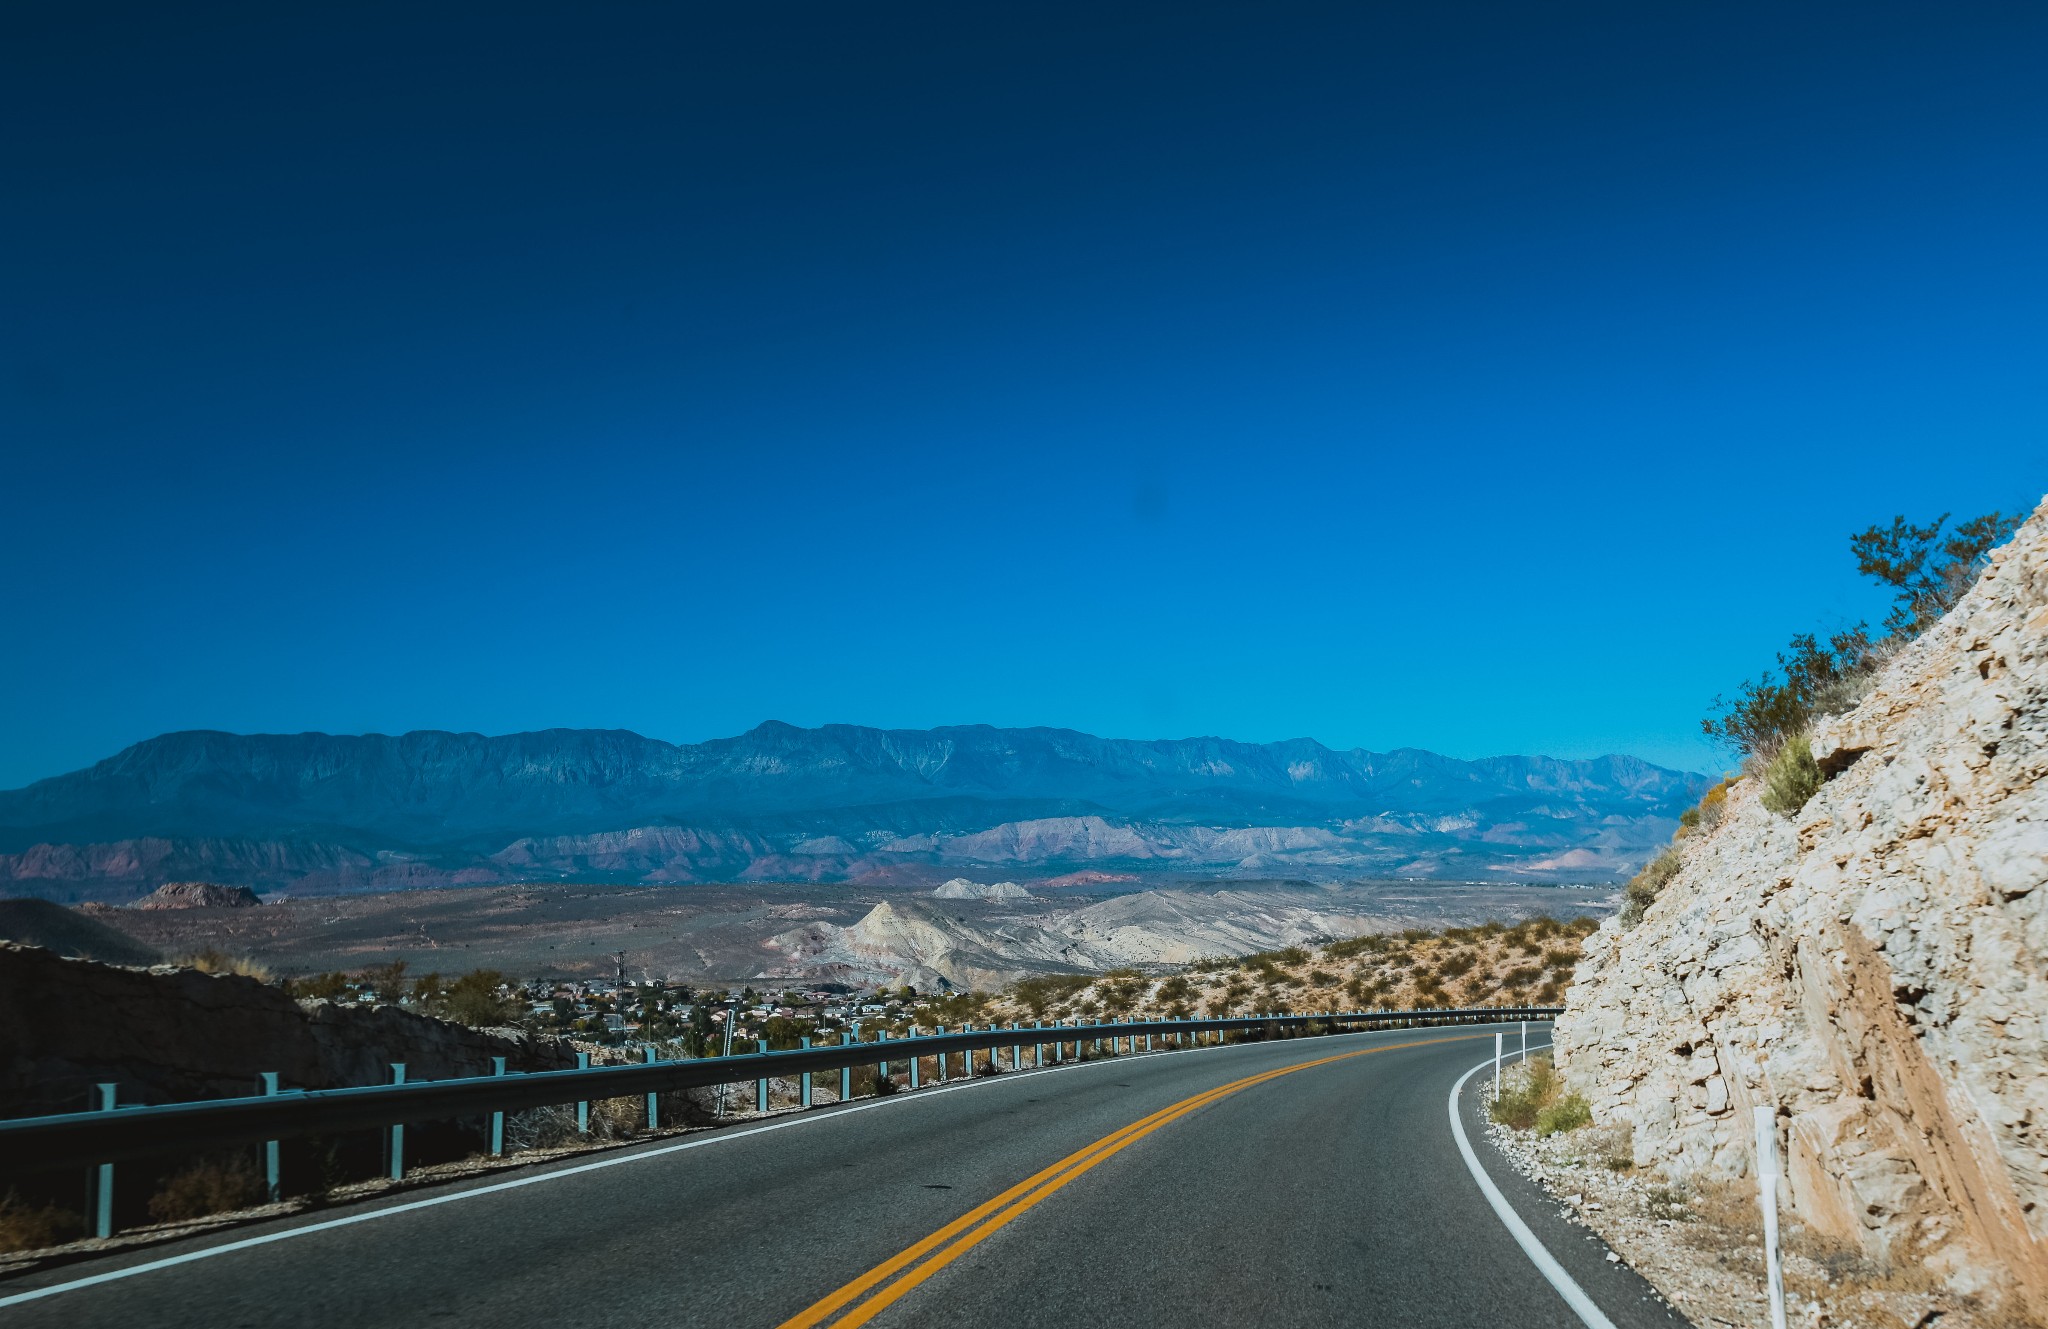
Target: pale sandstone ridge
pixel 1873 969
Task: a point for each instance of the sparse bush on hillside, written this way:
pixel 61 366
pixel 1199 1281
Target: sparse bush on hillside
pixel 1567 1114
pixel 1526 1090
pixel 329 986
pixel 1638 894
pixel 1927 569
pixel 1041 994
pixel 1792 778
pixel 1352 947
pixel 474 999
pixel 212 961
pixel 1707 813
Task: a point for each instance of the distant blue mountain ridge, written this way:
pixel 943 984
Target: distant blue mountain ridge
pixel 838 801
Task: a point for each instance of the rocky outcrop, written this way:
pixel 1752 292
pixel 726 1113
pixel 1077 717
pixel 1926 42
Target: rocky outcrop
pixel 1874 969
pixel 172 1035
pixel 197 895
pixel 959 888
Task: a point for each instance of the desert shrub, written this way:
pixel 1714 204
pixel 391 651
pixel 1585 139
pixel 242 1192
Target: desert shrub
pixel 1927 568
pixel 386 980
pixel 1525 1095
pixel 1560 959
pixel 473 999
pixel 1566 1114
pixel 1792 778
pixel 1351 947
pixel 210 1186
pixel 1321 978
pixel 1818 679
pixel 1042 993
pixel 1654 877
pixel 1121 989
pixel 212 961
pixel 1451 966
pixel 29 1227
pixel 329 986
pixel 1707 813
pixel 1522 976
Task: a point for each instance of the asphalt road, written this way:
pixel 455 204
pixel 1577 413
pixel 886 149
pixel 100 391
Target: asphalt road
pixel 1331 1194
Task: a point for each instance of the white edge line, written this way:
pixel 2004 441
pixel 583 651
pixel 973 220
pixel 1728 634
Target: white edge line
pixel 1539 1255
pixel 617 1160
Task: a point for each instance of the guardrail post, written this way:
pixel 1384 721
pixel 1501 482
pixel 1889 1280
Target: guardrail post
pixel 583 1107
pixel 967 1057
pixel 882 1067
pixel 1038 1049
pixel 653 1106
pixel 942 1057
pixel 397 1146
pixel 761 1086
pixel 916 1063
pixel 272 1190
pixel 846 1072
pixel 103 1175
pixel 1016 1050
pixel 805 1094
pixel 1765 1119
pixel 498 1118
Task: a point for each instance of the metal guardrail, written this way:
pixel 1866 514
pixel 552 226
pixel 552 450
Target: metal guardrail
pixel 37 1144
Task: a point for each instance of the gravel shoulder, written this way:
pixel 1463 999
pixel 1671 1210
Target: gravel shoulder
pixel 1700 1244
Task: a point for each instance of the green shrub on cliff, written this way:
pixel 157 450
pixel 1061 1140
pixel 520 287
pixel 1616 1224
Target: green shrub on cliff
pixel 1926 568
pixel 1653 878
pixel 1792 777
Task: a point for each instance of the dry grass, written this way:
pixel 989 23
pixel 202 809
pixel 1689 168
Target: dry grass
pixel 29 1227
pixel 211 961
pixel 210 1186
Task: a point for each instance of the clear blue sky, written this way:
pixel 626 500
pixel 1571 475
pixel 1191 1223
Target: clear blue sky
pixel 1486 378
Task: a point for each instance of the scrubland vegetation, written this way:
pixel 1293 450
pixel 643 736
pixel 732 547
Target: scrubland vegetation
pixel 1491 964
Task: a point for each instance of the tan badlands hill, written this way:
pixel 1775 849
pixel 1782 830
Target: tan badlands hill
pixel 1873 970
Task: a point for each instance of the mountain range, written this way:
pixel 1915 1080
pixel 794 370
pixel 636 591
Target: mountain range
pixel 840 802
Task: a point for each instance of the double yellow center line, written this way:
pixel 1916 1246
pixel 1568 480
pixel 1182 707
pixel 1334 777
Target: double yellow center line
pixel 874 1290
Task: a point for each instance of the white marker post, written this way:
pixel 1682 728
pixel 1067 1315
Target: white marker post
pixel 1767 1196
pixel 1525 1040
pixel 1497 1037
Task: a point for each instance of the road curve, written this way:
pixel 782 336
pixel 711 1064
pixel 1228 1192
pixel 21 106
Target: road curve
pixel 1218 1187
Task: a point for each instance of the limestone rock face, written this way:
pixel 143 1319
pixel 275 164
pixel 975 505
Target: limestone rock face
pixel 1875 970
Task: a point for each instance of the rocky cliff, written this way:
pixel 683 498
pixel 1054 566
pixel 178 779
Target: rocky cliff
pixel 1874 969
